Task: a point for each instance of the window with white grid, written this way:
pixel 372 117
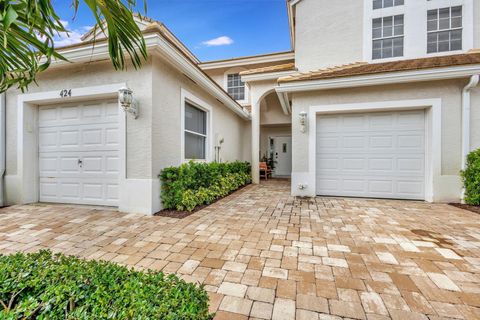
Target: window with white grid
pixel 195 132
pixel 380 4
pixel 235 86
pixel 388 37
pixel 444 27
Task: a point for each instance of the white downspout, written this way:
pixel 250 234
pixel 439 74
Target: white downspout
pixel 466 105
pixel 2 147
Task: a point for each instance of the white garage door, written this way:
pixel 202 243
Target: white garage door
pixel 79 153
pixel 378 155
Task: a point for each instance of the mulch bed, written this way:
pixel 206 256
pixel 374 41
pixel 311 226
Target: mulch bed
pixel 171 213
pixel 475 209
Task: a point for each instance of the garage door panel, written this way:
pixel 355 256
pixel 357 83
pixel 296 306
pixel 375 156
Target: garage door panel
pixel 92 137
pixel 85 138
pixel 355 164
pixel 411 141
pixel 354 142
pixel 381 141
pixel 68 165
pixel 353 122
pixel 384 158
pixel 381 164
pixel 411 165
pixel 381 121
pixel 381 186
pixel 413 119
pixel 79 153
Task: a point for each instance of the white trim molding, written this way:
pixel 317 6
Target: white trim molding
pixel 433 152
pixel 267 76
pixel 187 96
pixel 243 61
pixel 381 79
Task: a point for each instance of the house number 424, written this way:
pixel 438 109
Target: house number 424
pixel 65 93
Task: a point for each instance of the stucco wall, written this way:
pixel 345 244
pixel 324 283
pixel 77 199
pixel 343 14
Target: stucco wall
pixel 476 19
pixel 446 183
pixel 166 130
pixel 271 111
pixel 328 33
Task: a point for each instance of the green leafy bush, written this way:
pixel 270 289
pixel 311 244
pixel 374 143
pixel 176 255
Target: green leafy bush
pixel 471 178
pixel 45 286
pixel 193 183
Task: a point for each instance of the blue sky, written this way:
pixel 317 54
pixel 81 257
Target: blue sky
pixel 212 29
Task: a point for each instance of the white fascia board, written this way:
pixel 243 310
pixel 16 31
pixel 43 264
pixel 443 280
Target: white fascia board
pixel 380 79
pixel 156 42
pixel 294 2
pixel 266 76
pixel 284 102
pixel 274 57
pixel 192 71
pixel 93 52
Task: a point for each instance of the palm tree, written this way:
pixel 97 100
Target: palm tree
pixel 28 29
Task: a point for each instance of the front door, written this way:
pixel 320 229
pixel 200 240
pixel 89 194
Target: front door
pixel 282 153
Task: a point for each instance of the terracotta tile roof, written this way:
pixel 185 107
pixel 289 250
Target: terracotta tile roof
pixel 363 68
pixel 275 68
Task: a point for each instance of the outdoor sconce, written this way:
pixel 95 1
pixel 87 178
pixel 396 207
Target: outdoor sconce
pixel 303 121
pixel 127 101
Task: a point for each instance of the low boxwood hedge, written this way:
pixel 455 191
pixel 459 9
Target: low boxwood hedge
pixel 471 178
pixel 46 286
pixel 196 183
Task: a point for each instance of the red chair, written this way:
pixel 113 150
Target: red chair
pixel 265 171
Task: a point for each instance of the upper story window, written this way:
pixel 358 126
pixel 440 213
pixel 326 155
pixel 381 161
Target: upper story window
pixel 195 132
pixel 388 37
pixel 444 29
pixel 235 86
pixel 379 4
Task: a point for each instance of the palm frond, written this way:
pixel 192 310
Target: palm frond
pixel 28 29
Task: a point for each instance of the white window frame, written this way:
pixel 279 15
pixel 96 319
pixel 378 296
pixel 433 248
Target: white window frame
pixel 193 100
pixel 383 2
pixel 451 29
pixel 246 99
pixel 415 27
pixel 392 37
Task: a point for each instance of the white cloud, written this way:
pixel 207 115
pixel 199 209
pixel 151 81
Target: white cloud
pixel 70 37
pixel 220 41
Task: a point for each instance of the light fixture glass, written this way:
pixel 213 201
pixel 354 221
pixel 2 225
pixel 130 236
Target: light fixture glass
pixel 127 102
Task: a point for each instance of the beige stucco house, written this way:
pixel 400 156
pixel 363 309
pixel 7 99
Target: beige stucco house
pixel 378 98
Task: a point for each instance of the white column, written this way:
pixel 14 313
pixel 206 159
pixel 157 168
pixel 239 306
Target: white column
pixel 255 142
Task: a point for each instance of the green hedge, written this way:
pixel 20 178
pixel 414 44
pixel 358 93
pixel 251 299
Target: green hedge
pixel 471 178
pixel 46 286
pixel 197 183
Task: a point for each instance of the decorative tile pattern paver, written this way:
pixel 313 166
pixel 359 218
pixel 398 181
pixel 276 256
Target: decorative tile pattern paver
pixel 263 254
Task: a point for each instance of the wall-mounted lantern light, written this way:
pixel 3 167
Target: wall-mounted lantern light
pixel 127 101
pixel 303 121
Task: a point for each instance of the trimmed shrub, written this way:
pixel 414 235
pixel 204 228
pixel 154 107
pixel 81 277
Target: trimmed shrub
pixel 197 183
pixel 471 178
pixel 46 286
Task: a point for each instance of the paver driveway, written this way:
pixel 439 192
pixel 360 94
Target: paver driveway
pixel 264 254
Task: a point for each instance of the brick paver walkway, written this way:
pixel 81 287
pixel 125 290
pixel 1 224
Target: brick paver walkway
pixel 263 254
